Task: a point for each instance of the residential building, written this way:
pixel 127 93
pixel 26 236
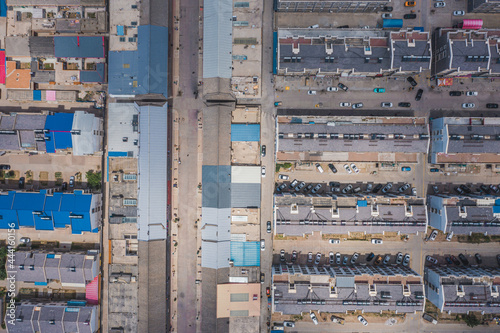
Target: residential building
pixel 300 288
pixel 465 140
pixel 330 6
pixel 347 52
pixel 459 52
pixel 80 132
pixel 54 317
pixel 238 300
pixel 466 214
pixel 74 270
pixel 79 211
pixel 298 215
pixel 483 6
pixel 367 139
pixel 462 289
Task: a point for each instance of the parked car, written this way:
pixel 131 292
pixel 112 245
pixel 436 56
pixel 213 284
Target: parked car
pixel 463 259
pixel 332 89
pixel 293 183
pixel 458 13
pixel 448 260
pixel 479 260
pixel 338 258
pixel 263 171
pixel 263 150
pixel 458 190
pixel 346 167
pixel 308 188
pixel 282 256
pixel 433 235
pixel 399 258
pixel 362 320
pixel 455 93
pixel 465 188
pixel 332 167
pixel 342 86
pixel 284 177
pixel 471 93
pixel 313 318
pixel 435 170
pixel 311 92
pixel 377 188
pixel 4 167
pixel 344 261
pixel 410 16
pixel 406 260
pixel 370 257
pixel 354 258
pixel 21 182
pixel 387 258
pixel 294 256
pixel 377 241
pixel 268 227
pixel 485 189
pixel 406 168
pixel 262 277
pixel 347 189
pixel 440 4
pixel 316 188
pixel 25 240
pixel 334 241
pixel 379 90
pixel 268 292
pixel 492 106
pixel 310 257
pixel 468 105
pixel 455 260
pixel 262 245
pixel 431 260
pixel 449 236
pixel 387 187
pixel 386 15
pixel 404 104
pixel 404 187
pixel 435 189
pixel 414 191
pixel 418 97
pixel 386 105
pixel 494 188
pixel 345 104
pixel 387 9
pixel 357 105
pixel 498 259
pixel 378 260
pixel 369 187
pixel 318 258
pixel 320 169
pixel 354 168
pixel 300 186
pixel 331 259
pixel 64 186
pixel 288 324
pixel 412 81
pixel 429 319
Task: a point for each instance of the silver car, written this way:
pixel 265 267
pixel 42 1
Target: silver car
pixel 387 258
pixel 338 258
pixel 406 260
pixel 318 258
pixel 468 105
pixel 357 105
pixel 354 258
pixel 399 258
pixel 439 4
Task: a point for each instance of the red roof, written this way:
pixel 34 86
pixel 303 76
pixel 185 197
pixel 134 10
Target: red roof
pixel 92 291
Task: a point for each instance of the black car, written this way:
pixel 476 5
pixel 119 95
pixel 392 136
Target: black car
pixel 334 184
pixel 479 260
pixel 412 81
pixel 377 188
pixel 455 260
pixel 404 105
pixel 459 190
pixel 4 167
pixel 485 189
pixel 294 256
pixel 419 94
pixel 465 188
pixel 410 16
pixel 263 151
pixel 387 9
pixel 455 93
pixel 342 86
pixel 65 186
pixel 308 188
pixel 448 260
pixel 280 188
pixel 463 259
pixel 370 257
pixel 262 277
pixel 492 106
pixel 21 182
pixel 333 168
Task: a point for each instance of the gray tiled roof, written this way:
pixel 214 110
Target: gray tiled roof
pixel 421 48
pixel 52 268
pixel 50 319
pixel 461 49
pixel 71 268
pixel 32 264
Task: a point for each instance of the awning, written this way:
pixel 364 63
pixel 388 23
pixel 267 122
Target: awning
pixel 445 82
pixel 472 24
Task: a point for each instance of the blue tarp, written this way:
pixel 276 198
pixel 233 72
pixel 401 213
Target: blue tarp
pixel 244 132
pixel 245 253
pixel 392 23
pixel 362 203
pixel 98 75
pixel 37 95
pixel 40 283
pixel 80 47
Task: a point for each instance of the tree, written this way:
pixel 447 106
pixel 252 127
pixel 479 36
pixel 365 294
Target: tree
pixel 94 179
pixel 471 320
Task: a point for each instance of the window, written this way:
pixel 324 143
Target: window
pixel 239 297
pixel 122 39
pixel 133 23
pixel 131 39
pixel 241 4
pixel 134 6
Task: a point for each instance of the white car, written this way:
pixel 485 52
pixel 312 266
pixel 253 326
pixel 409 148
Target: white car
pixel 362 320
pixel 387 258
pixel 433 235
pixel 346 167
pixel 377 241
pixel 414 191
pixel 468 105
pixel 458 13
pixel 311 92
pixel 263 171
pixel 406 260
pixel 334 241
pixel 353 167
pixel 313 318
pixel 284 177
pixel 471 93
pixel 25 240
pixel 345 104
pixel 440 4
pixel 357 106
pixel 332 89
pixel 386 15
pixel 288 324
pixel 449 236
pixel 262 245
pixel 386 104
pixel 399 258
pixel 318 258
pixel 431 260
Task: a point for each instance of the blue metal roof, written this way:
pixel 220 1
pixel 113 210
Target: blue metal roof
pixel 245 132
pixel 37 95
pixel 362 203
pixel 80 47
pixel 59 137
pixel 99 75
pixel 245 253
pixel 122 73
pixel 496 209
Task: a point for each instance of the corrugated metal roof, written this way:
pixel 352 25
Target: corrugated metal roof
pixel 245 195
pixel 152 203
pixel 344 281
pixel 216 187
pixel 86 143
pixel 123 73
pixel 97 75
pixel 245 253
pixel 217 38
pixel 215 254
pixel 246 174
pixel 216 224
pixel 245 132
pixel 80 46
pixel 121 127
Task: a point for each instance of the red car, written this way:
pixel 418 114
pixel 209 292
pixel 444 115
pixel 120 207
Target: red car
pixel 268 291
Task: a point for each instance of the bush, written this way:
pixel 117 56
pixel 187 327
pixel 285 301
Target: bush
pixel 471 320
pixel 94 179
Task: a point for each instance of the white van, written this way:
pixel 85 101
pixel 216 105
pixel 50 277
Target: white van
pixel 318 166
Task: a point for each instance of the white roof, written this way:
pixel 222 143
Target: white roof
pixel 246 174
pixel 215 254
pixel 120 116
pixel 89 140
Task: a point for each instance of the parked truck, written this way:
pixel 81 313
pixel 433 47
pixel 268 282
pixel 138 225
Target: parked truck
pixel 430 319
pixel 337 320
